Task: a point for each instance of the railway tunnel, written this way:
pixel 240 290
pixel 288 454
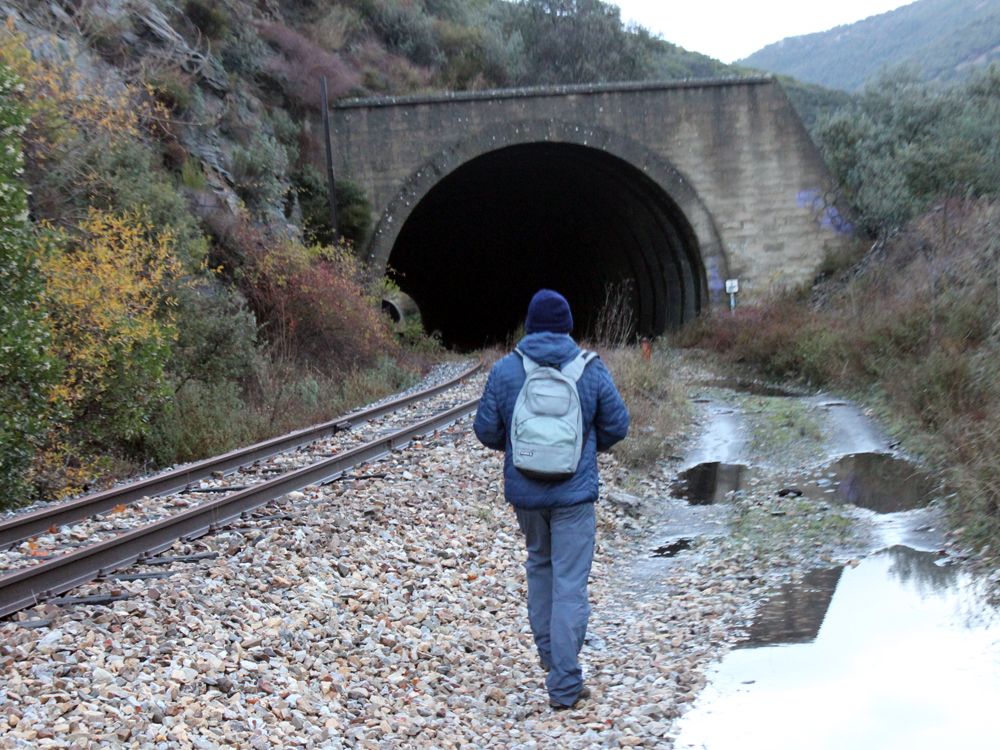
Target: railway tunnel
pixel 564 216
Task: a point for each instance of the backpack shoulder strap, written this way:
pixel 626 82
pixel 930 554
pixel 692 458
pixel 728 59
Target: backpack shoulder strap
pixel 530 365
pixel 574 369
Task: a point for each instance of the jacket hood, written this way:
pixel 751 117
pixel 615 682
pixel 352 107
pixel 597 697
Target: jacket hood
pixel 548 348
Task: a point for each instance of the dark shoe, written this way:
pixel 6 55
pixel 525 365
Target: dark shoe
pixel 545 667
pixel 581 696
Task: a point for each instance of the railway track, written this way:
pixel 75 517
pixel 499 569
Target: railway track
pixel 199 499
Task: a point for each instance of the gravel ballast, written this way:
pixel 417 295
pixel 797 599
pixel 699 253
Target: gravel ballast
pixel 389 612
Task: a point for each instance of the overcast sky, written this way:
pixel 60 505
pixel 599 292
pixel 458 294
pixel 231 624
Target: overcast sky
pixel 732 29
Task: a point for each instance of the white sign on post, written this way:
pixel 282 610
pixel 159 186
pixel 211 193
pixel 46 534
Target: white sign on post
pixel 732 287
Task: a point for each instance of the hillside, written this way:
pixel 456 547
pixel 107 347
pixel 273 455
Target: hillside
pixel 943 39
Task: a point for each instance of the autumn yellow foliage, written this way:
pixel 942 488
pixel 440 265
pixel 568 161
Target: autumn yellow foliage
pixel 122 373
pixel 112 321
pixel 62 103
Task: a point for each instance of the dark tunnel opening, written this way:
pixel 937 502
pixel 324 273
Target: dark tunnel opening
pixel 561 216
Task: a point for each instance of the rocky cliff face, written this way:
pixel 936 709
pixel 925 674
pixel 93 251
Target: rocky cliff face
pixel 237 89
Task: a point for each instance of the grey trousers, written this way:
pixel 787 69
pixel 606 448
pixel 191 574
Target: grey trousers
pixel 560 543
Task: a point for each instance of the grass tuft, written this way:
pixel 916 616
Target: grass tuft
pixel 657 403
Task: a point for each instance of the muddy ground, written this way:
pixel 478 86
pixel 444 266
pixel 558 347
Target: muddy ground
pixel 828 540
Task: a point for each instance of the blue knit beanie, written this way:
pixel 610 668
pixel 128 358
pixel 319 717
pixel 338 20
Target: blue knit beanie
pixel 548 311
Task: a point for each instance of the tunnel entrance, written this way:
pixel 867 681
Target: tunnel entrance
pixel 562 216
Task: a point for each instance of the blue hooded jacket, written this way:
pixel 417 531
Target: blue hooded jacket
pixel 605 420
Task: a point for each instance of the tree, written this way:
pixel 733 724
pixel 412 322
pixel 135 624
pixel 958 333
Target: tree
pixel 108 293
pixel 576 41
pixel 905 144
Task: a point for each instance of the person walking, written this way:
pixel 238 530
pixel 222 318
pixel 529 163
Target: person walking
pixel 555 511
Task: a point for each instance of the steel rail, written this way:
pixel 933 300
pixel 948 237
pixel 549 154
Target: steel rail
pixel 26 525
pixel 29 586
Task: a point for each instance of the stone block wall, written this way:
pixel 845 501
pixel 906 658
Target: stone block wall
pixel 733 154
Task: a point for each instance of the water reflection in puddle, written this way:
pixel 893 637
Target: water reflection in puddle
pixel 905 654
pixel 751 388
pixel 876 481
pixel 795 613
pixel 709 483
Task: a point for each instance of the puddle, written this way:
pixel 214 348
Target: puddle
pixel 709 483
pixel 876 481
pixel 750 387
pixel 795 613
pixel 897 652
pixel 672 548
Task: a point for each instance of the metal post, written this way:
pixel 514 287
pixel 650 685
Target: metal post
pixel 331 181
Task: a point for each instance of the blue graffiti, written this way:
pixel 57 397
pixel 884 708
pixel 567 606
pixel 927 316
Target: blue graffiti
pixel 828 216
pixel 832 219
pixel 715 281
pixel 809 199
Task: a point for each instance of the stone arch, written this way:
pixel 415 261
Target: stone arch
pixel 690 280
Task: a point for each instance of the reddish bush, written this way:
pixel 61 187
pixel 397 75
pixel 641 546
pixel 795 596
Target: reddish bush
pixel 301 65
pixel 385 71
pixel 329 319
pixel 310 302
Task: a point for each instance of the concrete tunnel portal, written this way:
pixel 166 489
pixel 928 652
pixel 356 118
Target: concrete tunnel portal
pixel 568 217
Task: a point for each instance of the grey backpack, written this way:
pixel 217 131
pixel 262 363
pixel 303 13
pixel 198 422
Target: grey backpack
pixel 547 425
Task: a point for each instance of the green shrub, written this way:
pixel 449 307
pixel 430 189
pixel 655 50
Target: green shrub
pixel 287 131
pixel 173 87
pixel 467 62
pixel 354 213
pixel 27 372
pixel 906 144
pixel 217 335
pixel 415 339
pixel 312 192
pixel 569 41
pixel 337 28
pixel 821 354
pixel 259 171
pixel 119 175
pixel 192 175
pixel 202 419
pixel 212 20
pixel 405 28
pixel 243 52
